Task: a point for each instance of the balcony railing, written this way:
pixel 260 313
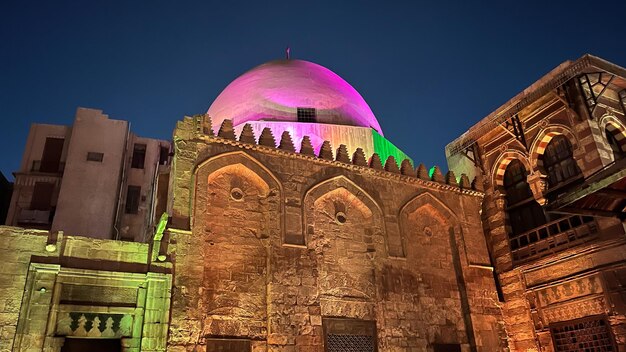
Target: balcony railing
pixel 54 169
pixel 552 237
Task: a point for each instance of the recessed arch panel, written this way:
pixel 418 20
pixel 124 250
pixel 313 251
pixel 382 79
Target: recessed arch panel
pixel 542 140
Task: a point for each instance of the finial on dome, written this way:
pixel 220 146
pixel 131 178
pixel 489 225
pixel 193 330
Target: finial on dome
pixel 288 56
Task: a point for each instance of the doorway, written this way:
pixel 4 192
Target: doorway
pixel 91 345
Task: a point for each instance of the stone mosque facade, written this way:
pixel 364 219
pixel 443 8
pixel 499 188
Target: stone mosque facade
pixel 284 220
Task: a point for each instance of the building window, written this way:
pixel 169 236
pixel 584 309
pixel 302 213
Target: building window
pixel 307 115
pixel 523 210
pixel 164 155
pixel 132 199
pixel 51 157
pixel 139 156
pixel 558 161
pixel 93 156
pixel 587 334
pixel 42 196
pixel 616 146
pixel 349 335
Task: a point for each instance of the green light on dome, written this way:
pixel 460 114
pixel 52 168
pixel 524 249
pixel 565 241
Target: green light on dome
pixel 384 148
pixel 431 172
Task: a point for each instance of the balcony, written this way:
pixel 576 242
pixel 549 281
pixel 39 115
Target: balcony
pixel 55 168
pixel 552 237
pixel 39 218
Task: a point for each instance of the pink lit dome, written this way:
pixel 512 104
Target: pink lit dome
pixel 275 90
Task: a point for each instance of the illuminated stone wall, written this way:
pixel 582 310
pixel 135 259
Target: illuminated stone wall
pixel 53 288
pixel 576 273
pixel 268 243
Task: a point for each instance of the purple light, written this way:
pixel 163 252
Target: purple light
pixel 352 137
pixel 273 92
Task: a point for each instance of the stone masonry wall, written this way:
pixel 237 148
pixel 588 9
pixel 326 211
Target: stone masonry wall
pixel 527 319
pixel 267 242
pixel 53 286
pixel 16 255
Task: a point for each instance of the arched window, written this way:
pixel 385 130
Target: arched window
pixel 558 160
pixel 611 137
pixel 524 212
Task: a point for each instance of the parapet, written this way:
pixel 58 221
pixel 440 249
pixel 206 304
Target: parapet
pixel 199 127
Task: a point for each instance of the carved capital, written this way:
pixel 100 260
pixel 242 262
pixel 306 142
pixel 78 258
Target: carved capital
pixel 538 185
pixel 500 200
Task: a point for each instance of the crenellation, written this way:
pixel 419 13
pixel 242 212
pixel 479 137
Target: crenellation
pixel 326 151
pixel 464 182
pixel 306 148
pixel 406 168
pixel 286 143
pixel 247 135
pixel 267 138
pixel 227 131
pixel 342 154
pixel 422 172
pixel 202 125
pixel 358 158
pixel 374 169
pixel 451 178
pixel 437 176
pixel 391 165
pixel 375 162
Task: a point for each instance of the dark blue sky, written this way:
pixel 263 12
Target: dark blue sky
pixel 429 70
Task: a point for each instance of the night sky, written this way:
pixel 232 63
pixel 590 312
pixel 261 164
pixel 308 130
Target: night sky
pixel 429 70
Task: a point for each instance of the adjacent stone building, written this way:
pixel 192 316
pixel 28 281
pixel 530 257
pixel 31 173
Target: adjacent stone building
pixel 553 167
pixel 72 293
pixel 286 221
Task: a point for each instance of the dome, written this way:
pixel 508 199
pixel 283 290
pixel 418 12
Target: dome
pixel 275 90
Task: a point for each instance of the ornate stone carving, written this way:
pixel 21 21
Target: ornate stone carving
pixel 572 289
pixel 80 324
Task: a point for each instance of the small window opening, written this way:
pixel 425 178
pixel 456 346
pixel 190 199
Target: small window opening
pixel 614 144
pixel 93 156
pixel 307 115
pixel 236 194
pixel 51 157
pixel 340 217
pixel 164 155
pixel 139 156
pixel 132 199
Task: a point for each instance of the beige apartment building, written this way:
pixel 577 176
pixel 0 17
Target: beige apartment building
pixel 94 178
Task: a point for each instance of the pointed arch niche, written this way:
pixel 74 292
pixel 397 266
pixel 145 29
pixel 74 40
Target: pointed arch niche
pixel 615 134
pixel 236 213
pixel 424 222
pixel 344 228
